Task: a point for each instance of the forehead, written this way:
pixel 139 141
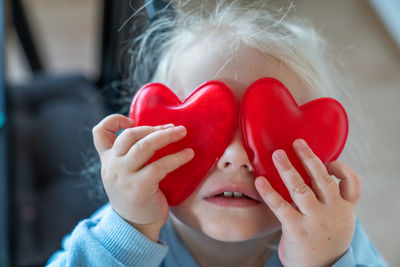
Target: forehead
pixel 217 60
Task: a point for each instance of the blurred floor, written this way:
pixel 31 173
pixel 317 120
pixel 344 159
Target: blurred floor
pixel 68 35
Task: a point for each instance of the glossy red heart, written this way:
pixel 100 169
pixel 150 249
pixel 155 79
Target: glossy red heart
pixel 271 119
pixel 210 115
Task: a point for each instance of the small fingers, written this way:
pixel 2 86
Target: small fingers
pixel 323 185
pixel 350 184
pixel 301 193
pixel 158 169
pixel 130 136
pixel 144 149
pixel 104 133
pixel 285 212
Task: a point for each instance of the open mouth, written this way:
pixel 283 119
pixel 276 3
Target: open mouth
pixel 233 195
pixel 233 199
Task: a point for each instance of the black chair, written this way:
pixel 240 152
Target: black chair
pixel 46 139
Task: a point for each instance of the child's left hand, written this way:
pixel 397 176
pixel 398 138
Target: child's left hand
pixel 319 230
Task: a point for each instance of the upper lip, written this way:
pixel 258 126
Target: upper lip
pixel 235 188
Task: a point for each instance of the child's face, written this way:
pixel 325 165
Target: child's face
pixel 197 65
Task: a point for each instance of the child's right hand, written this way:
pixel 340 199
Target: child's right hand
pixel 131 186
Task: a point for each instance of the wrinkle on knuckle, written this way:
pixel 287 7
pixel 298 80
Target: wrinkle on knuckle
pixel 161 165
pixel 327 179
pixel 152 171
pixel 171 134
pixel 301 190
pixel 280 206
pixel 143 145
pixel 130 131
pixel 314 162
pixel 287 172
pixel 270 197
pixel 145 128
pixel 308 155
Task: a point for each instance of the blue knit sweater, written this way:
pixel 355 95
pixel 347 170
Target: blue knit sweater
pixel 105 239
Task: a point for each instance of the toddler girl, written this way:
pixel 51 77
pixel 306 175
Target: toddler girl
pixel 235 43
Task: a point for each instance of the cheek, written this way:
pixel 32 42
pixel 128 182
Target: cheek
pixel 187 212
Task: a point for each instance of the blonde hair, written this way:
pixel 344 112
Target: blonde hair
pixel 252 23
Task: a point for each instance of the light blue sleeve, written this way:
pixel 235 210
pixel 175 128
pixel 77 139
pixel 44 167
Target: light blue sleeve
pixel 105 239
pixel 362 253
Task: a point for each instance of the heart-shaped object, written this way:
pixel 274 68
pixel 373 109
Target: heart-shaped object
pixel 271 119
pixel 210 115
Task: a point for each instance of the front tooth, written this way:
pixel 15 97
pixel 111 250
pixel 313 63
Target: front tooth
pixel 237 194
pixel 228 194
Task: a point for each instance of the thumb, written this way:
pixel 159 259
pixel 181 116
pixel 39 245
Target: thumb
pixel 104 133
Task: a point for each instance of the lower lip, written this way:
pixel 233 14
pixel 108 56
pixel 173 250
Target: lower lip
pixel 232 202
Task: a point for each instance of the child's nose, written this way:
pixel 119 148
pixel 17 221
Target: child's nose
pixel 235 156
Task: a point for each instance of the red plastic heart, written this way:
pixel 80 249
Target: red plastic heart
pixel 210 115
pixel 271 120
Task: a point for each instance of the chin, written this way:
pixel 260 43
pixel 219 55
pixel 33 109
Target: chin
pixel 229 237
pixel 235 231
pixel 230 225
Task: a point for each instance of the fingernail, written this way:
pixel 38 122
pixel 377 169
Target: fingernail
pixel 180 131
pixel 260 182
pixel 300 143
pixel 188 152
pixel 279 155
pixel 180 128
pixel 166 126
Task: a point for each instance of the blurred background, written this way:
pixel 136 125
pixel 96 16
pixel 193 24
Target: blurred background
pixel 60 56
